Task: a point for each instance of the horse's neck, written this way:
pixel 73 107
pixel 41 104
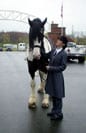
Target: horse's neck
pixel 47 45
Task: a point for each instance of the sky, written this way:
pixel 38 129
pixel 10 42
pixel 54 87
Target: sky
pixel 74 18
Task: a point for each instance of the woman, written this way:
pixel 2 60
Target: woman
pixel 55 80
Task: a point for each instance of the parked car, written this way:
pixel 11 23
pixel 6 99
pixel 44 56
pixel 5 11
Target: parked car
pixel 75 51
pixel 8 47
pixel 1 49
pixel 21 46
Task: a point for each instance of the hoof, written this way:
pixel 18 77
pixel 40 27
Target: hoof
pixel 32 106
pixel 45 106
pixel 32 102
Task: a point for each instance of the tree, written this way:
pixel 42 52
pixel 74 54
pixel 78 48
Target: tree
pixel 5 38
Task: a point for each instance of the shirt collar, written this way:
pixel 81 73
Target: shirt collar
pixel 58 50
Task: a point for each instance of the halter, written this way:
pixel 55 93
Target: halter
pixel 37 46
pixel 47 40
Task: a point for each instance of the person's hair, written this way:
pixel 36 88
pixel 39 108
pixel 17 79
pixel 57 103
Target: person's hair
pixel 64 40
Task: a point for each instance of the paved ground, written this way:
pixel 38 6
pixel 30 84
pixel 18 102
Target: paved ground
pixel 15 117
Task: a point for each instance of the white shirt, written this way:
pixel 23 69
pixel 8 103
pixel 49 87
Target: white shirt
pixel 58 50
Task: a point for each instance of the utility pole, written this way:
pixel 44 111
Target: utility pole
pixel 62 32
pixel 72 31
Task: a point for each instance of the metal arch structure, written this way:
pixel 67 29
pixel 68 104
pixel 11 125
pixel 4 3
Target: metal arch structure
pixel 15 16
pixel 12 15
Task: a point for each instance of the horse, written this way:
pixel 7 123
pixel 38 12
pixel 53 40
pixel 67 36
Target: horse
pixel 38 43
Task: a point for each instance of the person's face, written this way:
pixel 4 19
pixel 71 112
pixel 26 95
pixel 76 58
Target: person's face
pixel 59 44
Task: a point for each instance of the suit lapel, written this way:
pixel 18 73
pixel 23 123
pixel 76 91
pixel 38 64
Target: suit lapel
pixel 55 56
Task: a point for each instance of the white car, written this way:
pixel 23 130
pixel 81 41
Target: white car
pixel 75 51
pixel 21 46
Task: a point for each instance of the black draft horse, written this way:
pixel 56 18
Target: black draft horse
pixel 37 44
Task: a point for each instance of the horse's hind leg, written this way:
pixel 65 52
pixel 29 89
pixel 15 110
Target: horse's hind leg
pixel 45 101
pixel 41 86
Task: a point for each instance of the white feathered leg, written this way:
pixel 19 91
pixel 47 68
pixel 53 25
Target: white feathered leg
pixel 45 102
pixel 32 99
pixel 41 87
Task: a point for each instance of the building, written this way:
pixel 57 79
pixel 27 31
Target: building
pixel 56 32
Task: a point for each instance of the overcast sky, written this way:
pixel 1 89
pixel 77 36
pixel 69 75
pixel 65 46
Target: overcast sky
pixel 73 13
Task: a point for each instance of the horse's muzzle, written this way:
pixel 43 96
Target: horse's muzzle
pixel 37 57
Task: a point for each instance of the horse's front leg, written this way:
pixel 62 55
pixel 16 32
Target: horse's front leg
pixel 32 99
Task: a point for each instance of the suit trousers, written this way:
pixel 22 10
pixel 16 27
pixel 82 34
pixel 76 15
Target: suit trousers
pixel 57 105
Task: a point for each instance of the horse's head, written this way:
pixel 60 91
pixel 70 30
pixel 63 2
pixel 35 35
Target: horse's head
pixel 36 35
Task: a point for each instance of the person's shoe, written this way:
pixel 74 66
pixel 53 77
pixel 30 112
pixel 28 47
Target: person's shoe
pixel 50 114
pixel 57 117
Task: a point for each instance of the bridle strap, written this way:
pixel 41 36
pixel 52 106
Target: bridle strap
pixel 37 46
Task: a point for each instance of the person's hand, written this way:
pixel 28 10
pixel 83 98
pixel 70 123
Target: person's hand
pixel 47 67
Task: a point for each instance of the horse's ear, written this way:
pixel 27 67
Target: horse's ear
pixel 30 22
pixel 44 21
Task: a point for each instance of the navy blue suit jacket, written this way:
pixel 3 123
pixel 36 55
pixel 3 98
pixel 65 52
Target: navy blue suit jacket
pixel 55 80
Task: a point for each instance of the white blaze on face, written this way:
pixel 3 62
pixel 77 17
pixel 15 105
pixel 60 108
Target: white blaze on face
pixel 36 50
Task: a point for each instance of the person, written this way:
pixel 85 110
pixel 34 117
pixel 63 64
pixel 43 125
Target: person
pixel 55 81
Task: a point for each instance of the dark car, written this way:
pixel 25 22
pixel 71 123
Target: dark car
pixel 1 49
